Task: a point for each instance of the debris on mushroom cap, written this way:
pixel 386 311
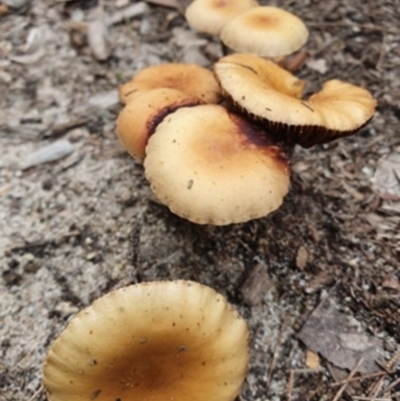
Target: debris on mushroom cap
pixel 265 31
pixel 139 118
pixel 339 109
pixel 158 341
pixel 188 78
pixel 211 166
pixel 210 16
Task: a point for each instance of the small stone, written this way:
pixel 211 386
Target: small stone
pixel 91 255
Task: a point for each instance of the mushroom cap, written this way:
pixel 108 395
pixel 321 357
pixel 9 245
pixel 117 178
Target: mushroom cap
pixel 176 340
pixel 257 86
pixel 139 118
pixel 210 16
pixel 188 78
pixel 265 31
pixel 211 166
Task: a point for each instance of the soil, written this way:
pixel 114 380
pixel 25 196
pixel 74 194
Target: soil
pixel 82 225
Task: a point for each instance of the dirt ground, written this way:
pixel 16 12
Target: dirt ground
pixel 75 228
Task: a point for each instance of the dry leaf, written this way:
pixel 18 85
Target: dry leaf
pixel 339 339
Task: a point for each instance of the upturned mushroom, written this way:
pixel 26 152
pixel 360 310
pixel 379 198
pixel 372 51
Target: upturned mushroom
pixel 272 95
pixel 156 341
pixel 188 78
pixel 212 166
pixel 210 16
pixel 265 31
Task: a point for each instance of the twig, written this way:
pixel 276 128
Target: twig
pixel 392 385
pixel 61 129
pixel 379 63
pixel 165 3
pixel 292 374
pixel 368 27
pixel 36 393
pixel 360 398
pixel 276 352
pixel 290 385
pixel 352 373
pixel 358 378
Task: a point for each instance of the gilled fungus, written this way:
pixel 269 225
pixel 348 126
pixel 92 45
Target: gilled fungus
pixel 139 118
pixel 265 31
pixel 155 341
pixel 272 95
pixel 188 78
pixel 212 166
pixel 210 16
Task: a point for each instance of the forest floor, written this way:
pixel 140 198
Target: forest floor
pixel 324 266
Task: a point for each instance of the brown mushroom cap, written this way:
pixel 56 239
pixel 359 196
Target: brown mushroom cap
pixel 156 341
pixel 258 87
pixel 188 78
pixel 139 118
pixel 265 31
pixel 210 16
pixel 214 167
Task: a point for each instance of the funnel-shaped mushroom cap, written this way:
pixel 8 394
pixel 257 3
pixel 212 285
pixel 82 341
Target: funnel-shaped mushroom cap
pixel 139 118
pixel 258 87
pixel 214 167
pixel 154 341
pixel 210 16
pixel 188 78
pixel 265 31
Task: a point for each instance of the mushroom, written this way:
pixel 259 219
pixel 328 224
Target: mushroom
pixel 158 341
pixel 272 95
pixel 265 31
pixel 139 118
pixel 212 166
pixel 210 16
pixel 188 78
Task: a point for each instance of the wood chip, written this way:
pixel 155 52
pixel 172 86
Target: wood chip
pixel 50 153
pixel 134 10
pixel 256 285
pixel 301 258
pixel 98 39
pixel 27 59
pixel 312 360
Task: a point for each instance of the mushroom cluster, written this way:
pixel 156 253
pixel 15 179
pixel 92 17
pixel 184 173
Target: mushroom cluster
pixel 215 145
pixel 171 340
pixel 246 27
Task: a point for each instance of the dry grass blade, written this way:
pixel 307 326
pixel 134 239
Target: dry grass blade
pixel 352 373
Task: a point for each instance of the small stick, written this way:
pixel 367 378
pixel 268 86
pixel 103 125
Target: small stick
pixel 392 385
pixel 276 352
pixel 290 385
pixel 352 373
pixel 360 398
pixel 352 25
pixel 358 378
pixel 61 129
pixel 36 393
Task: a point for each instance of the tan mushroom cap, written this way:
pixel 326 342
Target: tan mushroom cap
pixel 257 86
pixel 139 118
pixel 158 341
pixel 214 167
pixel 188 78
pixel 265 31
pixel 210 16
